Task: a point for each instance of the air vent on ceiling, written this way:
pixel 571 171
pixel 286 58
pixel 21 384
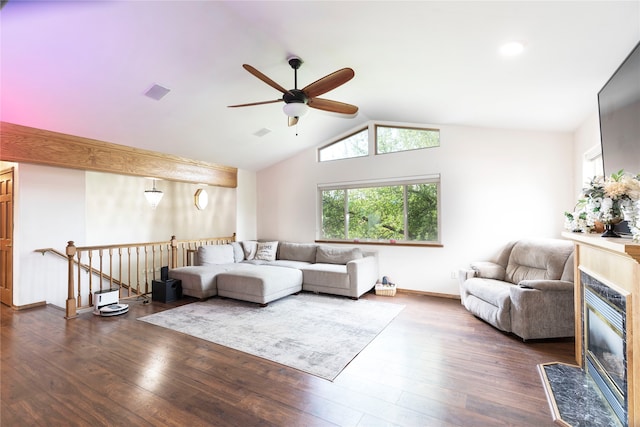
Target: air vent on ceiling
pixel 262 132
pixel 157 92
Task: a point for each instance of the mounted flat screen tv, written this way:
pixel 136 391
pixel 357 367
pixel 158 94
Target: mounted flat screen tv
pixel 619 108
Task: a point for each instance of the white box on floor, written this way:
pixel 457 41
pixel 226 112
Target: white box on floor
pixel 105 297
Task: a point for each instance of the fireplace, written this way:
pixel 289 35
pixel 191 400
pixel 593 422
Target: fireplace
pixel 605 345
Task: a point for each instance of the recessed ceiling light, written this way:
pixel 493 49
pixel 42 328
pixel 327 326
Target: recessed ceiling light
pixel 511 48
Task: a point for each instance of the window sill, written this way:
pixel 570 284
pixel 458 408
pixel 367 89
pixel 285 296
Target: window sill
pixel 382 243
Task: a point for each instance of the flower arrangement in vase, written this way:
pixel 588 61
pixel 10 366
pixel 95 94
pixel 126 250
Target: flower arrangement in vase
pixel 608 200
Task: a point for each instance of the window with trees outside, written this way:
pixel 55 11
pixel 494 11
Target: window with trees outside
pixel 391 139
pixel 388 139
pixel 355 145
pixel 405 210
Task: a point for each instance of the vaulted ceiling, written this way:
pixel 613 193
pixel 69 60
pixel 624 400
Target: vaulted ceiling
pixel 83 68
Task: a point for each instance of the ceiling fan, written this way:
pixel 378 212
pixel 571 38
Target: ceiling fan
pixel 297 100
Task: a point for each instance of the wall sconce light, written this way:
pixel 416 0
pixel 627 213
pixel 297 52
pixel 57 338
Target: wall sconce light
pixel 153 196
pixel 201 198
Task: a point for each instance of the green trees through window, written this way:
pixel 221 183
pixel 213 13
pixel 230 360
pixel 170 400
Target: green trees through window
pixel 401 210
pixel 393 139
pixel 404 212
pixel 356 145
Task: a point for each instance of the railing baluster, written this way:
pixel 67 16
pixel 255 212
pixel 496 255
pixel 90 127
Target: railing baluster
pixel 110 268
pixel 79 297
pixel 120 271
pixel 177 253
pixel 90 254
pixel 138 269
pixel 146 269
pixel 70 311
pixel 129 267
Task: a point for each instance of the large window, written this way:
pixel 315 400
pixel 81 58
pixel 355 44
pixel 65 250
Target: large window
pixel 400 211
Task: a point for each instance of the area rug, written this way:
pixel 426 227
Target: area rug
pixel 317 334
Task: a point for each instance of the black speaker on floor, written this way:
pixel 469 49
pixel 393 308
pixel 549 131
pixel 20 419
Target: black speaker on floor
pixel 166 290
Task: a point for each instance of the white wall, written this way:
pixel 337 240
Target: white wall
pixel 117 211
pixel 48 212
pixel 55 205
pixel 246 225
pixel 496 185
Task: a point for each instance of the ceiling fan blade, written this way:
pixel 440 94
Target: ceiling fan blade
pixel 329 82
pixel 255 103
pixel 293 121
pixel 264 78
pixel 333 106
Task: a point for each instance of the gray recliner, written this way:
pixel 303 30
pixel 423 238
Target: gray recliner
pixel 527 289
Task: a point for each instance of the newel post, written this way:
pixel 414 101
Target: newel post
pixel 71 300
pixel 174 252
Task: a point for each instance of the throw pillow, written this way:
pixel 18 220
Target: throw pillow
pixel 266 251
pixel 298 251
pixel 215 255
pixel 333 255
pixel 250 247
pixel 238 251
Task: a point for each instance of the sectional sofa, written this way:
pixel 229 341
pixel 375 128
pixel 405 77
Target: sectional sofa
pixel 261 272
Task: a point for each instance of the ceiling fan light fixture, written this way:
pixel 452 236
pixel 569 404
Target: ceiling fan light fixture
pixel 295 109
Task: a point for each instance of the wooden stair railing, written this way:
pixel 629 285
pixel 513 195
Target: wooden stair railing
pixel 130 267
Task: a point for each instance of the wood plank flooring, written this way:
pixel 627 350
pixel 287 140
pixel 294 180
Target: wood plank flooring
pixel 434 365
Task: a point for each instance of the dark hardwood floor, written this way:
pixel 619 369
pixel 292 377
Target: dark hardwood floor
pixel 434 365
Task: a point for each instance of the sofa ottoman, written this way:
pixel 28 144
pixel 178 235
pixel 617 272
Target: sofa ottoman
pixel 260 285
pixel 200 281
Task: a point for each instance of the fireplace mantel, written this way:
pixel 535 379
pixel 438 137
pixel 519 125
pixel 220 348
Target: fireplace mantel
pixel 621 246
pixel 615 262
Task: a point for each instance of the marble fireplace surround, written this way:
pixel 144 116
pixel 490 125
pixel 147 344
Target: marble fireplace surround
pixel 573 395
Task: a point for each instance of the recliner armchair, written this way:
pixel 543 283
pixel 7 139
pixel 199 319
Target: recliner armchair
pixel 527 289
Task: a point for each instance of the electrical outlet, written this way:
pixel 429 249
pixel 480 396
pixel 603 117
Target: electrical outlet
pixel 454 275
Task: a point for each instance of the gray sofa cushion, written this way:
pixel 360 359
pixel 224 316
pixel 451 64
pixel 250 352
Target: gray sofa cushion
pixel 238 251
pixel 333 255
pixel 288 263
pixel 200 281
pixel 250 247
pixel 495 292
pixel 538 259
pixel 488 270
pixel 215 255
pixel 326 275
pixel 260 285
pixel 297 251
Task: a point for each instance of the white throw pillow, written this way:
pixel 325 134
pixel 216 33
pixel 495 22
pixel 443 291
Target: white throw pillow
pixel 250 247
pixel 266 251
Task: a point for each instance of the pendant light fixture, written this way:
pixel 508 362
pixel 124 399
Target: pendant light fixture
pixel 153 196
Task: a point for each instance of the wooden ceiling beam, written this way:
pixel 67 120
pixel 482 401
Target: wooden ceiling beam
pixel 22 144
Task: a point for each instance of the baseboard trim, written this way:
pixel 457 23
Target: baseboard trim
pixel 28 306
pixel 430 294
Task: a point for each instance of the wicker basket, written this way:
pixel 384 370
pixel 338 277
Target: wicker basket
pixel 385 290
